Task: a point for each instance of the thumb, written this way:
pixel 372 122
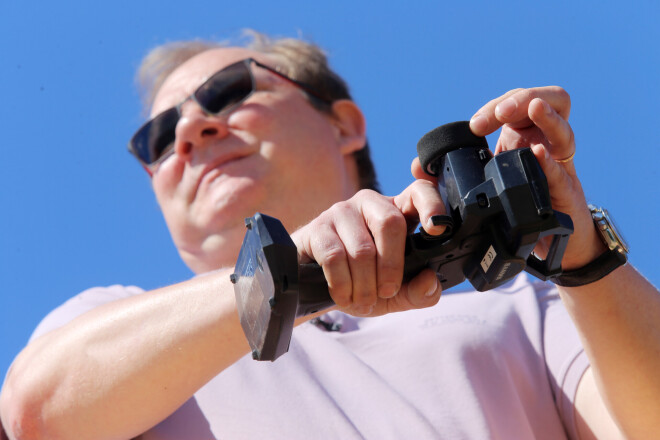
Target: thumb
pixel 422 291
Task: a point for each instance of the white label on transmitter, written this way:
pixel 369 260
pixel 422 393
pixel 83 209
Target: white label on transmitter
pixel 488 259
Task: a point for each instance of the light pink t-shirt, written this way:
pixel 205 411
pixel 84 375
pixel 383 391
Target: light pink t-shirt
pixel 502 364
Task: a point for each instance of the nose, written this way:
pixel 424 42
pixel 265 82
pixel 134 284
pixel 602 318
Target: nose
pixel 197 129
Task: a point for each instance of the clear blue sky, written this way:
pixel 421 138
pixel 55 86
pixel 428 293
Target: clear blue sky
pixel 77 211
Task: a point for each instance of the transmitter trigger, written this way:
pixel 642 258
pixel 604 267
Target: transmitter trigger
pixel 439 220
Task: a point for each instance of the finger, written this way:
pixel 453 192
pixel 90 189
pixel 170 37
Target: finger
pixel 484 121
pixel 388 227
pixel 567 196
pixel 419 173
pixel 562 178
pixel 512 108
pixel 557 131
pixel 326 248
pixel 422 291
pixel 422 201
pixel 361 254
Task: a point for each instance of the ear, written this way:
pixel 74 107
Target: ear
pixel 350 126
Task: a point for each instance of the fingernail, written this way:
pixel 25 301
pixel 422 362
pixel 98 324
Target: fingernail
pixel 366 310
pixel 506 108
pixel 432 289
pixel 546 108
pixel 388 290
pixel 478 123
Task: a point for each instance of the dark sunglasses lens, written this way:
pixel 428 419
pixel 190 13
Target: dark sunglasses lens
pixel 225 89
pixel 156 136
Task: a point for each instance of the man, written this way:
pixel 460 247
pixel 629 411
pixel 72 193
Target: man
pixel 240 130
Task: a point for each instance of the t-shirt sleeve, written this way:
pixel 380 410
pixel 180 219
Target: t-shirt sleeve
pixel 82 303
pixel 565 358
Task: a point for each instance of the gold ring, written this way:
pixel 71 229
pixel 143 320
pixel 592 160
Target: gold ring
pixel 568 159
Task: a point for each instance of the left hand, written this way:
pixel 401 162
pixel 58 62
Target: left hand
pixel 538 118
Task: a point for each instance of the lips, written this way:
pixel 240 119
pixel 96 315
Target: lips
pixel 218 166
pixel 222 162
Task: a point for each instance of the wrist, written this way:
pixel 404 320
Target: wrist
pixel 585 248
pixel 594 271
pixel 607 252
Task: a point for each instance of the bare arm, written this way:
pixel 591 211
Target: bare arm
pixel 618 317
pixel 120 369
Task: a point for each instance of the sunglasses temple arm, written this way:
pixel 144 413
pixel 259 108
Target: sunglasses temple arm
pixel 146 168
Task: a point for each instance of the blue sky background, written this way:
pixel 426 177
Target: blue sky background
pixel 77 211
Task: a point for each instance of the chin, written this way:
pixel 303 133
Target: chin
pixel 228 201
pixel 214 251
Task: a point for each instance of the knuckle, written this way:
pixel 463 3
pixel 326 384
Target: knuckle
pixel 393 220
pixel 366 193
pixel 362 195
pixel 422 183
pixel 333 255
pixel 322 222
pixel 517 91
pixel 563 95
pixel 571 137
pixel 390 225
pixel 560 91
pixel 340 208
pixel 567 97
pixel 364 251
pixel 527 94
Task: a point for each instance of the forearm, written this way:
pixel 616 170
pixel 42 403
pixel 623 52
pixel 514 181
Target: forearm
pixel 121 368
pixel 618 320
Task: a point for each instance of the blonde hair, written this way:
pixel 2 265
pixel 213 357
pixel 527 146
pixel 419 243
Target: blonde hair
pixel 298 59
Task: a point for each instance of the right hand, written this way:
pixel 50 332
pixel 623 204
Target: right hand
pixel 360 245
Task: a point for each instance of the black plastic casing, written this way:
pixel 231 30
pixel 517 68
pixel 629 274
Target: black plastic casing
pixel 499 209
pixel 266 286
pixel 499 216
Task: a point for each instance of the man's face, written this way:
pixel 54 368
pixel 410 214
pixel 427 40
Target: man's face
pixel 274 154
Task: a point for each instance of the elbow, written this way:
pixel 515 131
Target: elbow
pixel 20 414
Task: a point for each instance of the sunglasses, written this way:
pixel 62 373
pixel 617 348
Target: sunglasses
pixel 220 94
